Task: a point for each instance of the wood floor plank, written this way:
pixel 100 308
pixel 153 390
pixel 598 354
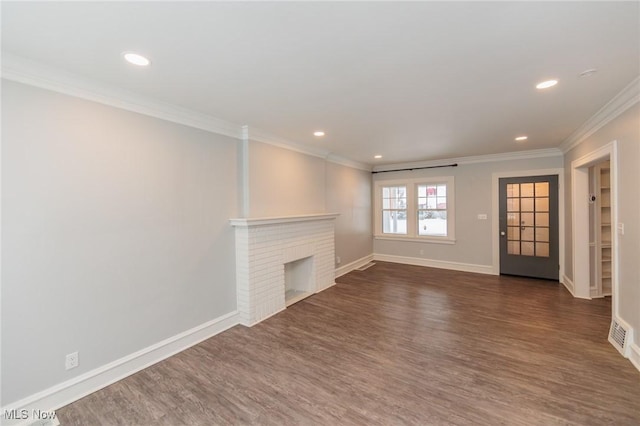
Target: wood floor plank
pixel 393 344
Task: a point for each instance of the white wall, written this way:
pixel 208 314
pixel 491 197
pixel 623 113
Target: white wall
pixel 473 186
pixel 626 130
pixel 115 234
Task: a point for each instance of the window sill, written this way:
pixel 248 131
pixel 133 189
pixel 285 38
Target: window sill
pixel 416 239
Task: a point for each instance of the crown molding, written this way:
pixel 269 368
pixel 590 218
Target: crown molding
pixel 343 161
pixel 506 156
pixel 624 100
pixel 259 135
pixel 26 71
pixel 22 70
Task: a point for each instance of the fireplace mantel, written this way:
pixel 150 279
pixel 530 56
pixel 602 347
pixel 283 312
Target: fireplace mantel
pixel 258 221
pixel 267 246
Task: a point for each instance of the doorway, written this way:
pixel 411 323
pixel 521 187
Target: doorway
pixel 495 223
pixel 528 221
pixel 582 248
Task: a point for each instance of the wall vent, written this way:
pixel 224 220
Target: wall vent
pixel 618 336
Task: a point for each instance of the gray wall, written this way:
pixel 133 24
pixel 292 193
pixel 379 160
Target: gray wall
pixel 473 195
pixel 115 234
pixel 348 192
pixel 284 182
pixel 626 130
pixel 116 228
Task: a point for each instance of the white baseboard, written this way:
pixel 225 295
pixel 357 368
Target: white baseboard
pixel 246 324
pixel 251 324
pixel 67 392
pixel 634 355
pixel 325 288
pixel 442 264
pixel 568 284
pixel 353 265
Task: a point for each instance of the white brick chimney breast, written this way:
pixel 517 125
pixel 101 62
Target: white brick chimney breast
pixel 265 245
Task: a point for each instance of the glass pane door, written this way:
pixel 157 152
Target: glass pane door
pixel 529 226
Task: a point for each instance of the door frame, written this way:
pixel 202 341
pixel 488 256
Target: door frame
pixel 495 202
pixel 580 221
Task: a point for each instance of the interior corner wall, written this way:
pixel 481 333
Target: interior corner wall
pixel 115 234
pixel 625 129
pixel 283 182
pixel 348 192
pixel 473 195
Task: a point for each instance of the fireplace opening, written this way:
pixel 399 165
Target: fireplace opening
pixel 298 280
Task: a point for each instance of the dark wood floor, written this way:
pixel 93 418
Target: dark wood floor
pixel 394 344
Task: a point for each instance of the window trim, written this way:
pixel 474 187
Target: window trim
pixel 412 210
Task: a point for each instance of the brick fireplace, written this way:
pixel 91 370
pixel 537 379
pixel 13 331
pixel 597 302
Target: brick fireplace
pixel 281 260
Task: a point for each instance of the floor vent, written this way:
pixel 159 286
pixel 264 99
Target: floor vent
pixel 364 267
pixel 618 336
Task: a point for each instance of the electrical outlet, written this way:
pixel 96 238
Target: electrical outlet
pixel 338 260
pixel 421 251
pixel 71 361
pixel 482 216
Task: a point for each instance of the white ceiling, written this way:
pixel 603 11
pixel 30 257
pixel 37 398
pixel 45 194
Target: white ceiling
pixel 411 81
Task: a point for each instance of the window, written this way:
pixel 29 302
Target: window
pixel 432 209
pixel 394 210
pixel 415 209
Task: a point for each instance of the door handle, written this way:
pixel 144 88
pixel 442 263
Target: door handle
pixel 502 233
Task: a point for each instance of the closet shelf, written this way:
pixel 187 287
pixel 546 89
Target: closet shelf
pixel 602 223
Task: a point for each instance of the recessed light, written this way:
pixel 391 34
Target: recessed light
pixel 318 133
pixel 521 138
pixel 136 59
pixel 546 84
pixel 377 156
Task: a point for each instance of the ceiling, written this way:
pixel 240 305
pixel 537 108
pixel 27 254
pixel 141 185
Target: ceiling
pixel 409 81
